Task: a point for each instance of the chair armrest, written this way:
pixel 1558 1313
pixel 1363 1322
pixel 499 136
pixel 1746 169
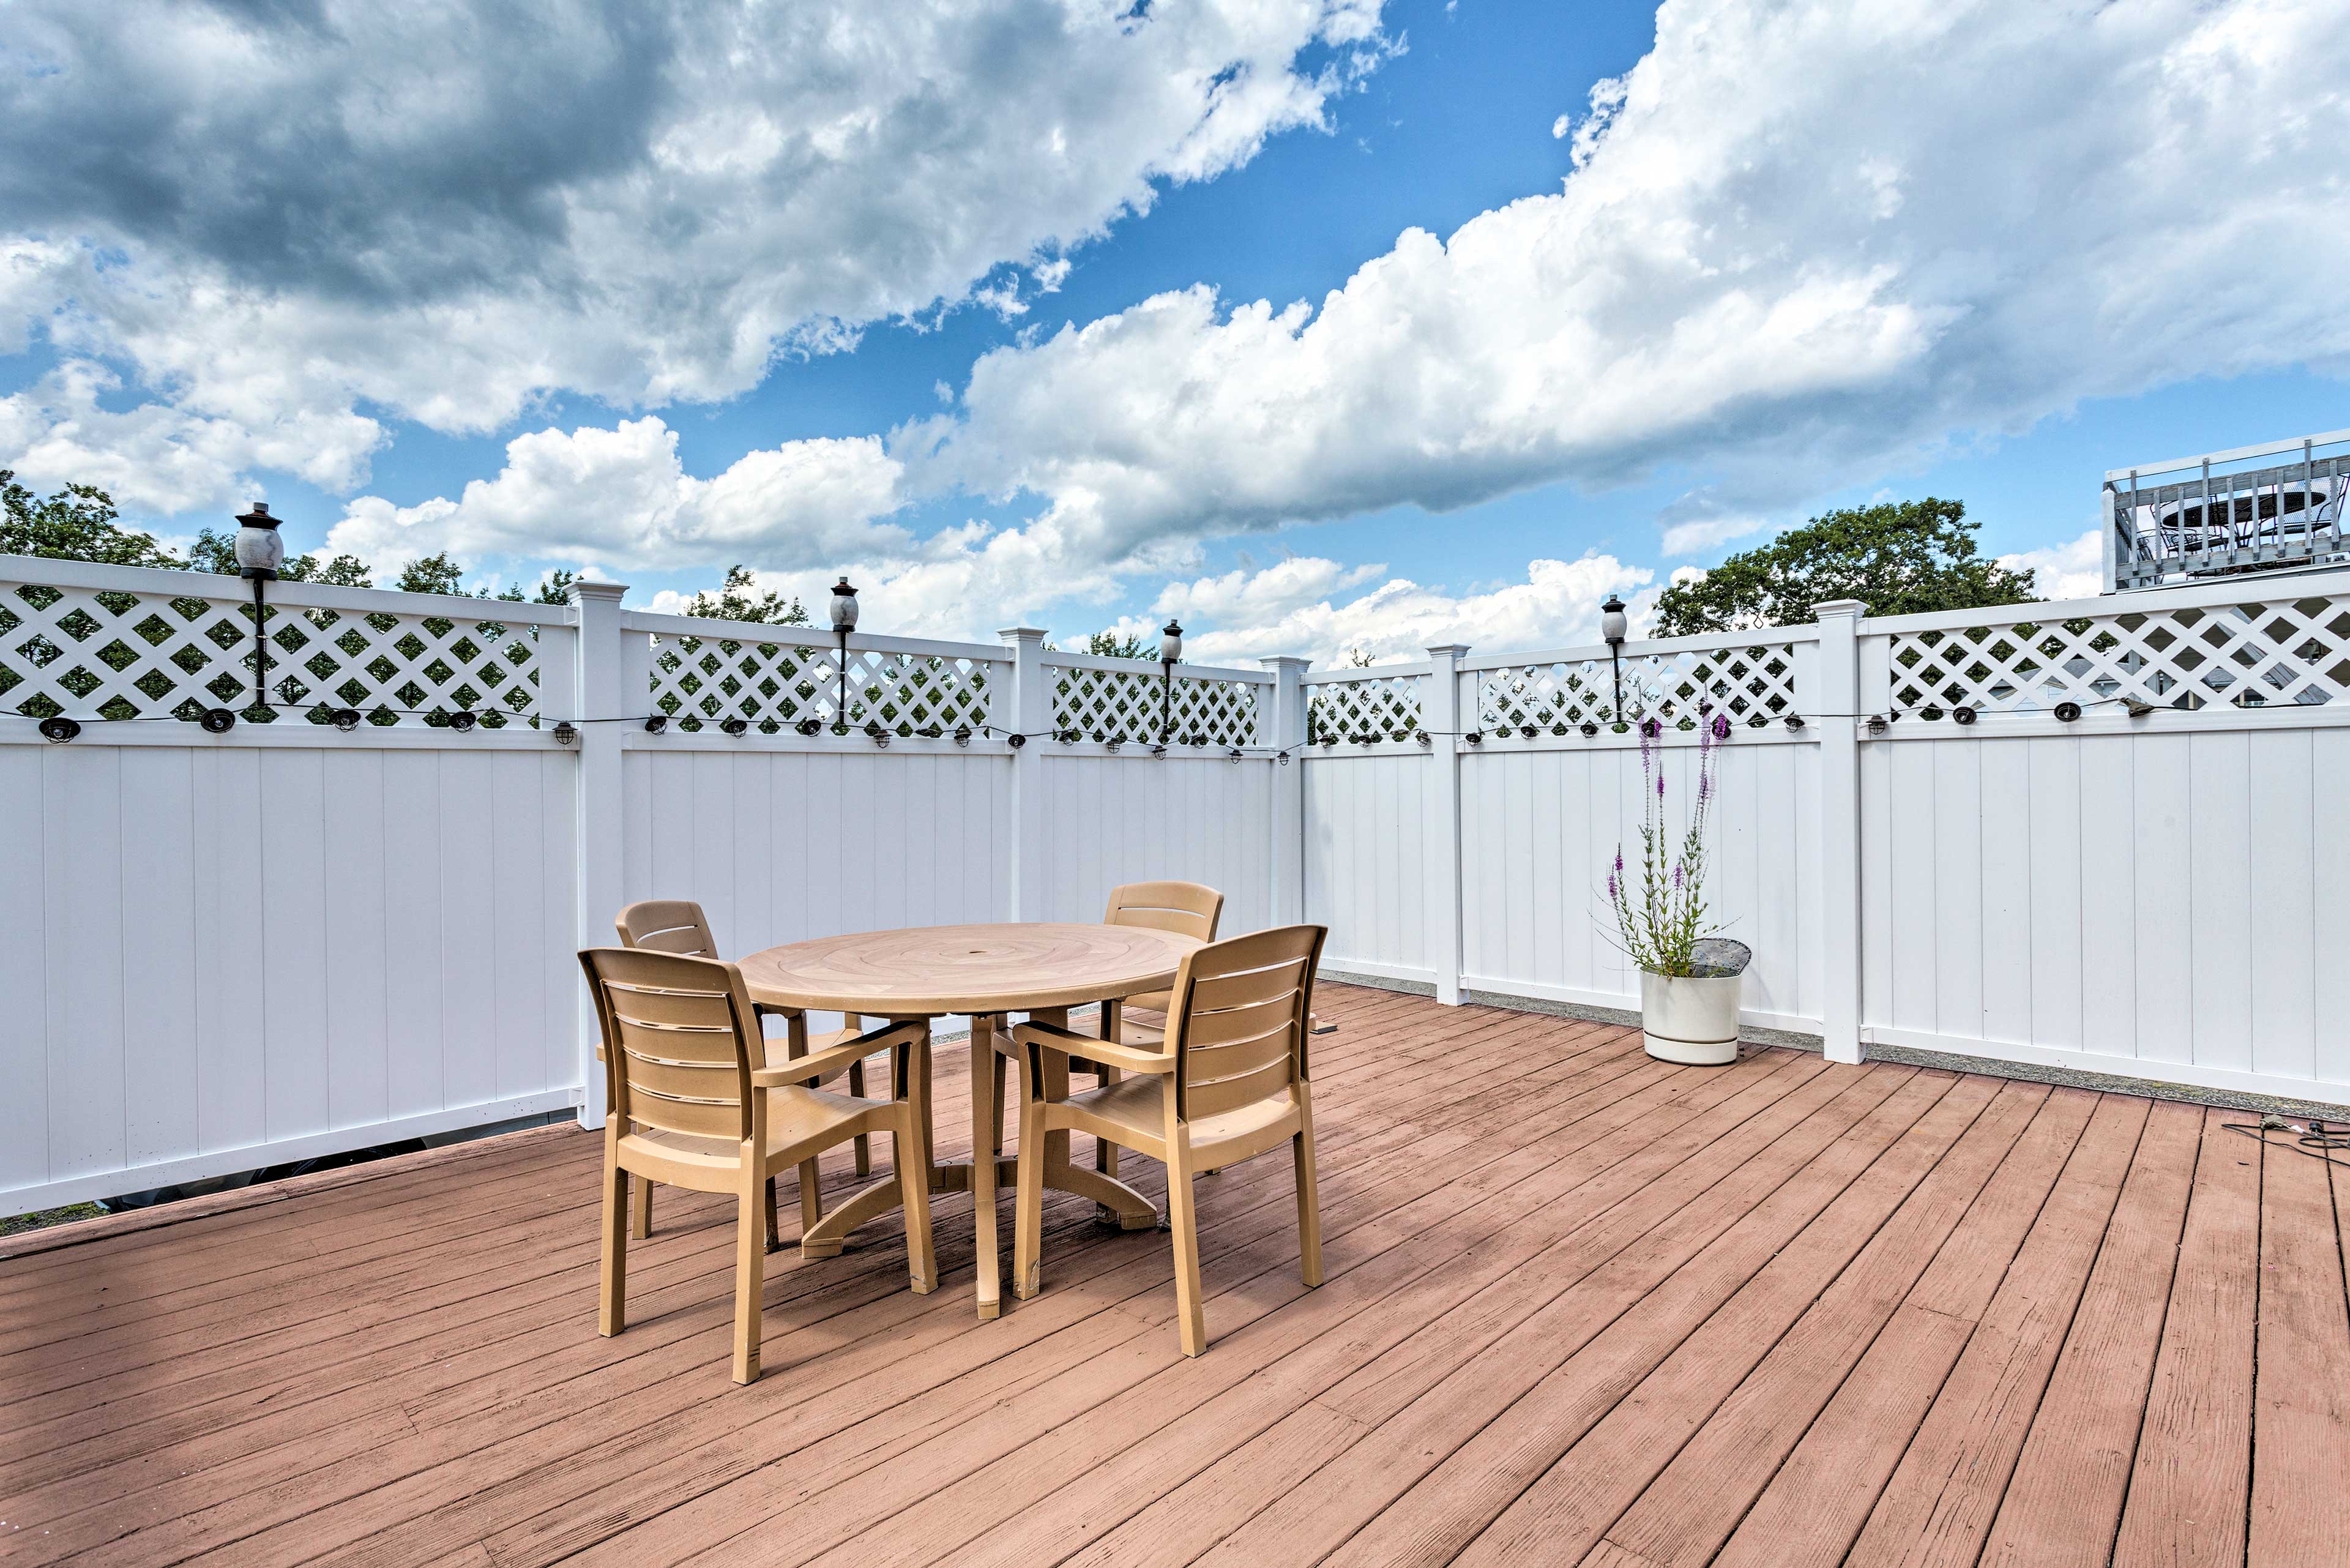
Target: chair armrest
pixel 1107 1053
pixel 819 1064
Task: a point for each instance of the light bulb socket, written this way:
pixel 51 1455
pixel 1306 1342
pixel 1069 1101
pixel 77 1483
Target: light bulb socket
pixel 567 734
pixel 217 721
pixel 344 719
pixel 962 735
pixel 737 726
pixel 655 723
pixel 810 726
pixel 463 720
pixel 1962 714
pixel 57 728
pixel 1795 721
pixel 1589 729
pixel 1015 741
pixel 2068 712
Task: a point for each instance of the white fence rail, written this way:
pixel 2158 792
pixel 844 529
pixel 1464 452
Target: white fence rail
pixel 220 950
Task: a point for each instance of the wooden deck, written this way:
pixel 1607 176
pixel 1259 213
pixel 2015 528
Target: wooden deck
pixel 1777 1313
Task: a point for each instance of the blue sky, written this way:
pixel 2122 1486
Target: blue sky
pixel 1768 274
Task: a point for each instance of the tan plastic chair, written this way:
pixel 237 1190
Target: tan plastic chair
pixel 678 925
pixel 1186 909
pixel 695 1103
pixel 1232 1083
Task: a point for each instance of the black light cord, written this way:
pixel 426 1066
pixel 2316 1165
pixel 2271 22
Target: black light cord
pixel 2317 1140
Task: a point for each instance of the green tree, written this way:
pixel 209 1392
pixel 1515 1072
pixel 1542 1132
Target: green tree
pixel 740 600
pixel 436 574
pixel 1110 645
pixel 342 572
pixel 1900 558
pixel 76 523
pixel 216 552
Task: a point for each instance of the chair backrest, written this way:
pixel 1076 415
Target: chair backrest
pixel 1184 908
pixel 667 925
pixel 1238 1021
pixel 681 1039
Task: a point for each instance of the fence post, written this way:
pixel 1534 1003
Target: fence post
pixel 1031 713
pixel 601 694
pixel 1836 701
pixel 1441 819
pixel 1281 724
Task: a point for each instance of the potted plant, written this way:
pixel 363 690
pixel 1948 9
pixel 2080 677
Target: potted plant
pixel 1688 975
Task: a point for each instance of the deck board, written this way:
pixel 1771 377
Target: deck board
pixel 1580 1306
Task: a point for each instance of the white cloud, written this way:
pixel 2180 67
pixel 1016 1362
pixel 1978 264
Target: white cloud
pixel 1802 244
pixel 620 497
pixel 964 583
pixel 339 210
pixel 1295 607
pixel 2074 570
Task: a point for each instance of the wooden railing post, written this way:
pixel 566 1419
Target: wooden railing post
pixel 1836 698
pixel 1027 709
pixel 599 692
pixel 1281 724
pixel 1440 821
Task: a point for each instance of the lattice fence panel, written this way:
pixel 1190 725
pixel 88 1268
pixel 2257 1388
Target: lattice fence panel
pixel 2254 654
pixel 705 682
pixel 1752 684
pixel 1122 705
pixel 122 655
pixel 1376 708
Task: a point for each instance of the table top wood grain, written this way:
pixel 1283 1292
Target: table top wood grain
pixel 930 970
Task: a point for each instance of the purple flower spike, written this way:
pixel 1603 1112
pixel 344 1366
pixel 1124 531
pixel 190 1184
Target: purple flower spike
pixel 1660 786
pixel 1722 726
pixel 1704 786
pixel 1676 875
pixel 1619 862
pixel 1611 887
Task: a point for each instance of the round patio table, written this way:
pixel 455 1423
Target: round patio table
pixel 985 972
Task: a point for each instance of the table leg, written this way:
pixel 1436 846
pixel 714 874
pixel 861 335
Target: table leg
pixel 987 1125
pixel 1113 1029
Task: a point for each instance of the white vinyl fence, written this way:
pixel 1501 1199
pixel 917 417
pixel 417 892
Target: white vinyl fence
pixel 224 951
pixel 1943 855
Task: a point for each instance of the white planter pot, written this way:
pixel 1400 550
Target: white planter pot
pixel 1692 1020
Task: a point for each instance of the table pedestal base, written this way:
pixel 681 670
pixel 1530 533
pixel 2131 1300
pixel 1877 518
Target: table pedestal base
pixel 1114 1200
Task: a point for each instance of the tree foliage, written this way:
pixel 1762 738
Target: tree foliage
pixel 1900 558
pixel 740 600
pixel 76 523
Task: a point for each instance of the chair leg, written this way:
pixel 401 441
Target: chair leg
pixel 811 1196
pixel 1028 1202
pixel 864 1142
pixel 750 1278
pixel 641 1223
pixel 612 1288
pixel 1309 1201
pixel 767 1211
pixel 1183 1221
pixel 914 1193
